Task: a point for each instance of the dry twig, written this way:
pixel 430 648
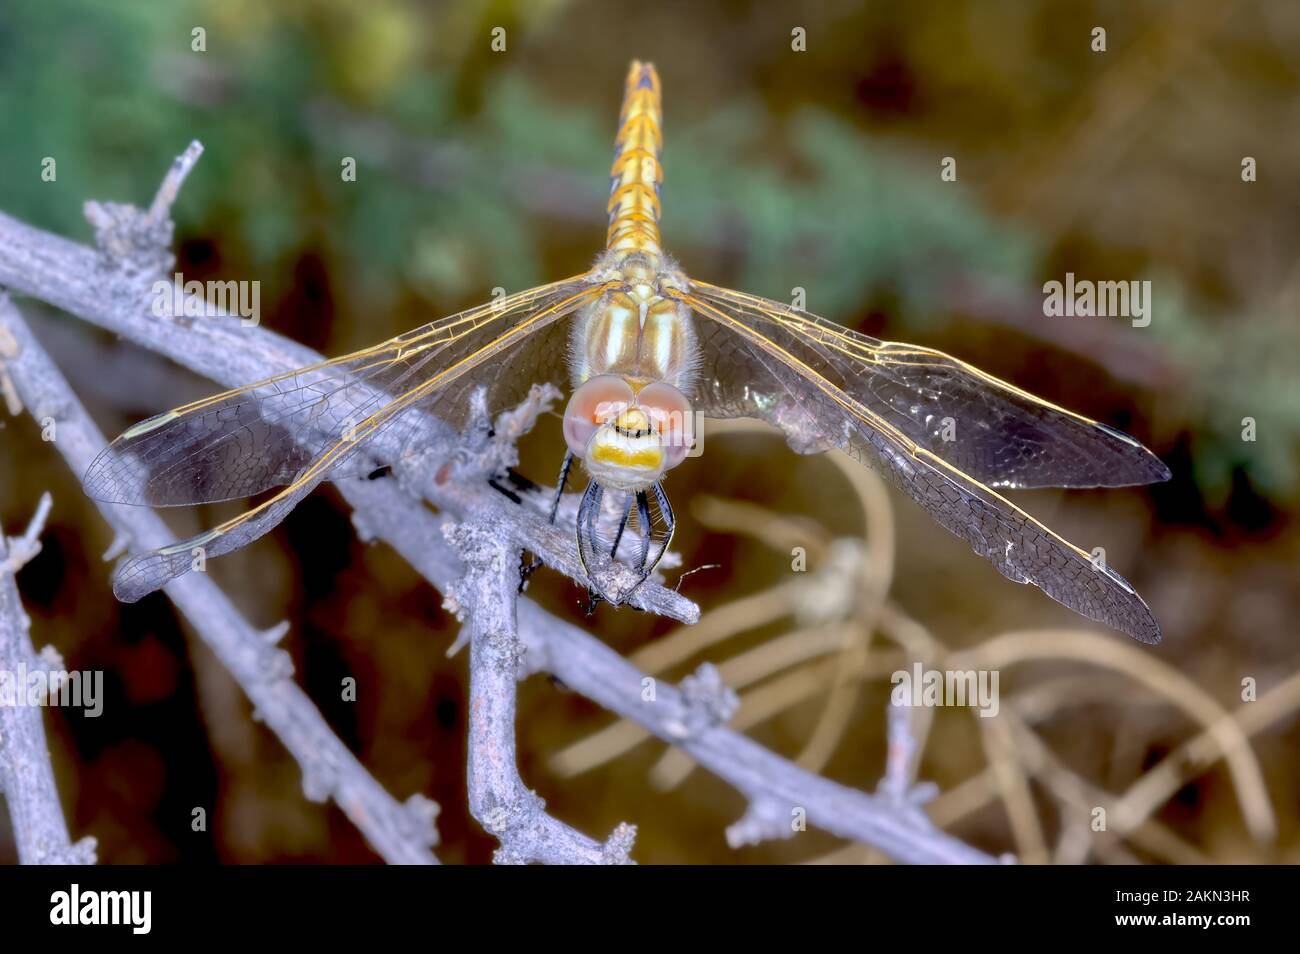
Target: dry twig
pixel 109 287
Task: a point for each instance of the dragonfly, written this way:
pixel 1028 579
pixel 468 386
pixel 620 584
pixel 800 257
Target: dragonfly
pixel 646 350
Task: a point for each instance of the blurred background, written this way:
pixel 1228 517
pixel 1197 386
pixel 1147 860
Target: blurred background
pixel 815 169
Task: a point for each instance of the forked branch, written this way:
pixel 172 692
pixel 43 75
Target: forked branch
pixel 107 287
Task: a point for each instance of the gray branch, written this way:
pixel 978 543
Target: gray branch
pixel 26 775
pixel 588 666
pixel 498 798
pixel 401 833
pixel 98 286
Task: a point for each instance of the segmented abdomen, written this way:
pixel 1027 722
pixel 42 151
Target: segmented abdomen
pixel 636 173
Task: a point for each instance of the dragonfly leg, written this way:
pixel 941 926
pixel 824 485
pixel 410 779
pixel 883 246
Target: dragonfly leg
pixel 622 525
pixel 589 540
pixel 643 517
pixel 559 485
pixel 590 547
pixel 670 522
pixel 528 567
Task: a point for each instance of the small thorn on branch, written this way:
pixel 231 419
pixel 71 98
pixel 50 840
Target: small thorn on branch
pixel 766 819
pixel 136 246
pixel 708 702
pixel 22 550
pixel 160 208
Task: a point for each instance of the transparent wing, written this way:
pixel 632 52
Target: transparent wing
pixel 816 387
pixel 989 429
pixel 299 428
pixel 267 434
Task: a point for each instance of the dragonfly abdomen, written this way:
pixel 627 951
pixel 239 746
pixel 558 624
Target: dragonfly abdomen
pixel 636 172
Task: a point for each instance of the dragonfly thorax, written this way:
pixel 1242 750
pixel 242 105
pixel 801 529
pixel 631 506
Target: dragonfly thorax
pixel 635 329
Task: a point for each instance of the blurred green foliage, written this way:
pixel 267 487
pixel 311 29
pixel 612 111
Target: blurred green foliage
pixel 471 178
pixel 817 170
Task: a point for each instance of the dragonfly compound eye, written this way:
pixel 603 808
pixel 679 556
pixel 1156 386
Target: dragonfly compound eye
pixel 598 401
pixel 671 419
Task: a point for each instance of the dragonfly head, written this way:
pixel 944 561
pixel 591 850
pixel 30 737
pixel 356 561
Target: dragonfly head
pixel 628 436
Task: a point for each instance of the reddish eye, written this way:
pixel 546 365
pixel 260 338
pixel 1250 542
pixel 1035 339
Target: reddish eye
pixel 595 402
pixel 670 415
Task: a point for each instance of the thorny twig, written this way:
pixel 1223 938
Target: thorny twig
pixel 498 798
pixel 90 284
pixel 26 775
pixel 399 832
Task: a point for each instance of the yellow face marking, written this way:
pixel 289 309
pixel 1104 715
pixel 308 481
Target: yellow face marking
pixel 647 459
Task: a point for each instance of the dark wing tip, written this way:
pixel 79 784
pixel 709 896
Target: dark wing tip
pixel 1147 631
pixel 1140 464
pixel 1153 638
pixel 1129 613
pixel 142 574
pixel 111 478
pixel 1163 472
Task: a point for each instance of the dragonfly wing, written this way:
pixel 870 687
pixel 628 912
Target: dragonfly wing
pixel 267 434
pixel 990 429
pixel 427 369
pixel 234 444
pixel 140 575
pixel 778 372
